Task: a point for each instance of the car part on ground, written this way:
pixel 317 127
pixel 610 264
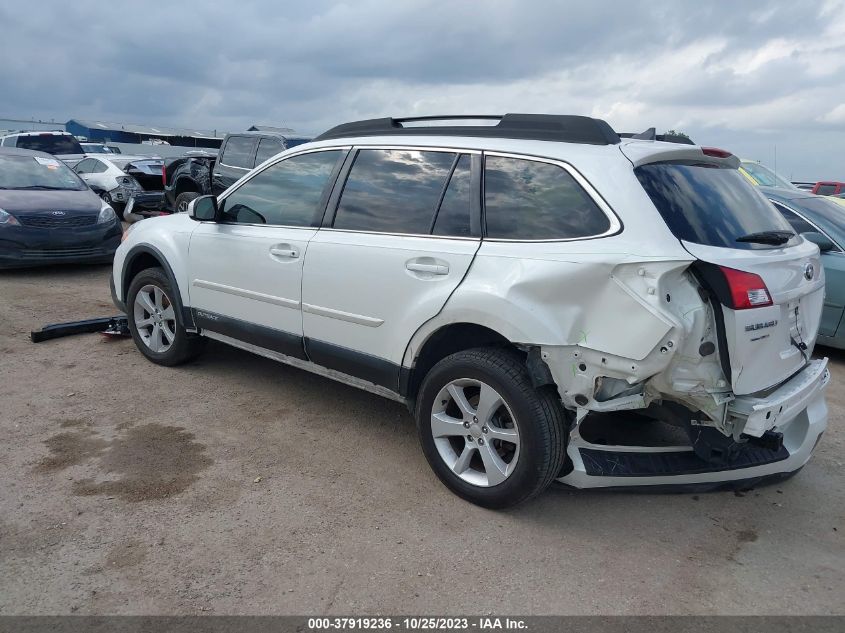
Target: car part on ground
pixel 698 304
pixel 113 326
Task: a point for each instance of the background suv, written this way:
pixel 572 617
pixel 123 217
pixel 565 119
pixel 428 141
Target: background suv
pixel 539 291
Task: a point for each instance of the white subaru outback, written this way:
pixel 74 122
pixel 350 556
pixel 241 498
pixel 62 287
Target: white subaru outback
pixel 544 295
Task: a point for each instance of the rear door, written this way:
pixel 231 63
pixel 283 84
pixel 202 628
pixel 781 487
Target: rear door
pixel 769 281
pixel 400 241
pixel 246 270
pixel 236 159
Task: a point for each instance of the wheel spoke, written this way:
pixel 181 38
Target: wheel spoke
pixel 443 425
pixel 155 338
pixel 146 302
pixel 144 322
pixel 460 399
pixel 464 458
pixel 505 435
pixel 489 402
pixel 168 314
pixel 159 298
pixel 168 333
pixel 495 468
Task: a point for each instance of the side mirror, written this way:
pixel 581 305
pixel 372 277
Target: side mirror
pixel 822 241
pixel 203 209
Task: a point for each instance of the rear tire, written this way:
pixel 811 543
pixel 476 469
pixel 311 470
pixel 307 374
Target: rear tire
pixel 180 205
pixel 488 434
pixel 156 322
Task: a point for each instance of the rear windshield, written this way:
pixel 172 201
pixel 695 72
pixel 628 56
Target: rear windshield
pixel 709 205
pixel 37 173
pixel 50 143
pixel 765 177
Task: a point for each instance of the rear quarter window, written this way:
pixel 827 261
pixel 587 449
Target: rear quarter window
pixel 709 205
pixel 533 200
pixel 239 151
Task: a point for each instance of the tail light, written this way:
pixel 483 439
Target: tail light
pixel 163 176
pixel 716 152
pixel 747 289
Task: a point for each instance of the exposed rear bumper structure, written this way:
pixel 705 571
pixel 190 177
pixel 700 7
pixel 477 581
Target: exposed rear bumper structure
pixel 801 417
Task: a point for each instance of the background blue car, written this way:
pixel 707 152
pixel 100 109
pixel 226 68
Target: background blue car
pixel 824 223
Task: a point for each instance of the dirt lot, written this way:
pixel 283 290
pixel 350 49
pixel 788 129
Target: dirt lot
pixel 131 488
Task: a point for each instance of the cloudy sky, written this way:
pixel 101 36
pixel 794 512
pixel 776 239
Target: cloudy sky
pixel 765 79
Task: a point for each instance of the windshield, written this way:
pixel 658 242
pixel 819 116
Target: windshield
pixel 709 205
pixel 766 177
pixel 36 172
pixel 50 143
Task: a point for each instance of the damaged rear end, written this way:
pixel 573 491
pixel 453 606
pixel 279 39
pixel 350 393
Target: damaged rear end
pixel 720 386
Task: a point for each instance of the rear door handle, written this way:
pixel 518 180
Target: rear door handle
pixel 285 251
pixel 432 269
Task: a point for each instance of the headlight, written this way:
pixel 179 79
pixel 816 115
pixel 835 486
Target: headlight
pixel 7 219
pixel 106 215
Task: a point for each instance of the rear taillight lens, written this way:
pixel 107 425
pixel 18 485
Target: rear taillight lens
pixel 747 289
pixel 163 176
pixel 716 152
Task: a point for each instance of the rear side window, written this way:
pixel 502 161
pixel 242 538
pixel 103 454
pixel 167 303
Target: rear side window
pixel 267 148
pixel 532 200
pixel 709 205
pixel 287 193
pixel 826 190
pixel 238 151
pixel 795 221
pixel 50 143
pixel 393 191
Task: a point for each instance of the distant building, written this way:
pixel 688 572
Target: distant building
pixel 106 132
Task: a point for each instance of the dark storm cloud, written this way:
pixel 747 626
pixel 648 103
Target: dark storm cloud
pixel 751 75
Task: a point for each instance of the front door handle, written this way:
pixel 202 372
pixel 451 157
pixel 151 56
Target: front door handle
pixel 432 269
pixel 284 251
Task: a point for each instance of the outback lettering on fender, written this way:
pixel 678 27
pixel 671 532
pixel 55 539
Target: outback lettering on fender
pixel 546 300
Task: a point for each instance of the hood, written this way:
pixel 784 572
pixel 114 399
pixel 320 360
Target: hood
pixel 17 202
pixel 786 194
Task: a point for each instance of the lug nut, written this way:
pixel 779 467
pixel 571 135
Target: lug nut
pixel 466 425
pixel 474 419
pixel 469 438
pixel 484 429
pixel 481 441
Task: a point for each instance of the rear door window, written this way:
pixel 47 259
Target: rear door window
pixel 393 191
pixel 239 151
pixel 267 148
pixel 533 200
pixel 709 205
pixel 454 213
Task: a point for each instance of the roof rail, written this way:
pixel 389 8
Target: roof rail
pixel 538 127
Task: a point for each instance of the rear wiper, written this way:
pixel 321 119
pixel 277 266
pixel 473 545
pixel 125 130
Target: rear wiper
pixel 775 238
pixel 42 187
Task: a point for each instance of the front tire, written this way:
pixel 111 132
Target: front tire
pixel 156 322
pixel 180 205
pixel 488 434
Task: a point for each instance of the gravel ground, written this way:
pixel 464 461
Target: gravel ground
pixel 236 485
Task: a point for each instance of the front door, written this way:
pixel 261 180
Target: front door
pixel 246 269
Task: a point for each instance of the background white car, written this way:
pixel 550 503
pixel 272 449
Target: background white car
pixel 118 178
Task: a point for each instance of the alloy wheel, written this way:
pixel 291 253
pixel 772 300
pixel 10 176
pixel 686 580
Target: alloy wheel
pixel 155 318
pixel 475 432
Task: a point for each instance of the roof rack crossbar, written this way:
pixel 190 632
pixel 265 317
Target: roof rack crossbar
pixel 539 127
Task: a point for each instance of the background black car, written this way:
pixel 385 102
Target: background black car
pixel 48 214
pixel 192 176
